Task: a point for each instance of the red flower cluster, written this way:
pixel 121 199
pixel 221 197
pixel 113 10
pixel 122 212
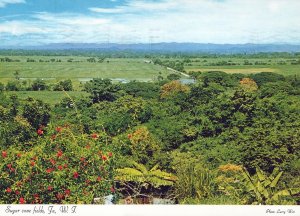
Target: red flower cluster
pixel 52 161
pixel 59 196
pixel 112 189
pixel 11 169
pixel 32 163
pixel 22 200
pixel 58 129
pixel 49 170
pixel 129 136
pixel 67 192
pixel 75 175
pixel 59 153
pixel 40 132
pixel 4 154
pixel 94 136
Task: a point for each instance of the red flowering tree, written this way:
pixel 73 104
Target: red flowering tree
pixel 61 167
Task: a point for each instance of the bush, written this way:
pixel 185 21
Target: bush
pixel 36 112
pixel 265 77
pixel 218 77
pixel 193 179
pixel 139 89
pixel 2 87
pixel 61 167
pixel 13 86
pixel 38 85
pixel 65 85
pixel 14 130
pixel 173 76
pixel 102 90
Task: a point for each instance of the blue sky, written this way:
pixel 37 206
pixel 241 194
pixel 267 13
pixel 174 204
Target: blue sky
pixel 36 22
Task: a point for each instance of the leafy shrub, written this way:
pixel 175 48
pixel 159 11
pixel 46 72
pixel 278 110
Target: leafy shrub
pixel 271 89
pixel 60 167
pixel 139 89
pixel 193 179
pixel 36 112
pixel 2 87
pixel 14 130
pixel 64 85
pixel 248 84
pixel 172 89
pixel 218 77
pixel 39 85
pixel 13 85
pixel 102 90
pixel 143 145
pixel 265 77
pixel 264 189
pixel 173 76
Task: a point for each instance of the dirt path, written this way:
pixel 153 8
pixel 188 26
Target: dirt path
pixel 176 71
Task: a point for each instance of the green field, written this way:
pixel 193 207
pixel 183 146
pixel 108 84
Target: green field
pixel 80 69
pixel 282 66
pixel 51 97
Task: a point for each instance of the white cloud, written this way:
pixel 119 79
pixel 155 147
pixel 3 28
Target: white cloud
pixel 135 6
pixel 155 6
pixel 18 28
pixel 3 3
pixel 204 21
pixel 106 10
pixel 70 19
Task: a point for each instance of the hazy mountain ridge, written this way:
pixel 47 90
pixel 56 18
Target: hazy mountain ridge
pixel 167 47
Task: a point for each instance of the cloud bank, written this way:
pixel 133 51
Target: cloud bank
pixel 3 3
pixel 133 21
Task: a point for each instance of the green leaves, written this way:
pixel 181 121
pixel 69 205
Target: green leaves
pixel 264 187
pixel 140 174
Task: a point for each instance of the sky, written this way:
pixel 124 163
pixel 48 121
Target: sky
pixel 38 22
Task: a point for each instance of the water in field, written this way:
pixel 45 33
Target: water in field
pixel 117 80
pixel 34 78
pixel 120 80
pixel 187 81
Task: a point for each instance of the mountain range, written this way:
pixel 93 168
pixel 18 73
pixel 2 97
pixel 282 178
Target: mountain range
pixel 167 47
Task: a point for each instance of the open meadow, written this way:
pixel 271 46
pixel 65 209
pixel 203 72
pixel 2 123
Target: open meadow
pixel 246 65
pixel 79 68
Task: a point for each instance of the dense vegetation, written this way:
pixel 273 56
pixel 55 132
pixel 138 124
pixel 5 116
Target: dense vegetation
pixel 226 139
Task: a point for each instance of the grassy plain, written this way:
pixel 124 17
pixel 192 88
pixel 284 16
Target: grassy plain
pixel 80 68
pixel 282 66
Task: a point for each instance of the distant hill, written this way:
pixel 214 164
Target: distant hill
pixel 169 47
